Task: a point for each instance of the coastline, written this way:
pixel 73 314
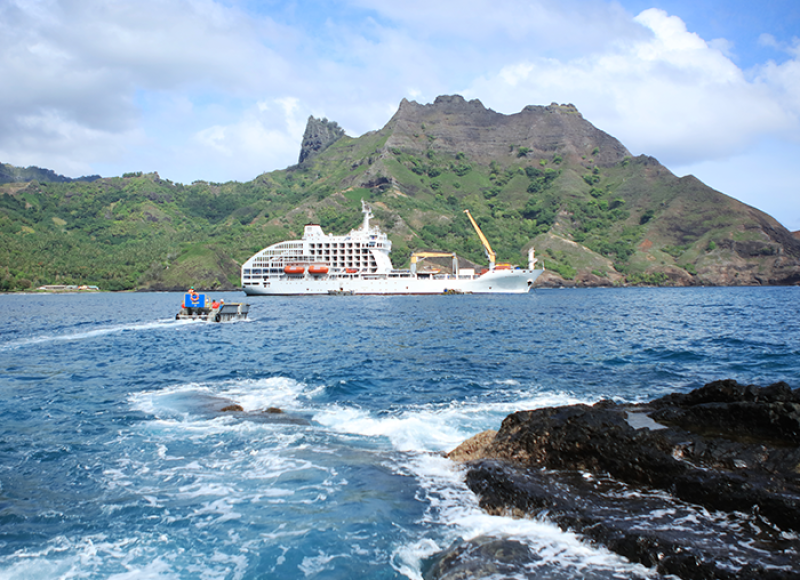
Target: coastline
pixel 610 472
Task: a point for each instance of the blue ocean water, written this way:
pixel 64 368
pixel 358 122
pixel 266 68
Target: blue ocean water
pixel 116 461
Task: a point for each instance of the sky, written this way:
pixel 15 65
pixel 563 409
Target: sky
pixel 221 90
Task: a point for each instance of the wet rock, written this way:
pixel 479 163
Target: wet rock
pixel 488 557
pixel 481 557
pixel 232 408
pixel 721 460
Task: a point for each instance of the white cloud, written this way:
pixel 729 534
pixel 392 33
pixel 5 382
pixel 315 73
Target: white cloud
pixel 256 142
pixel 670 94
pixel 73 71
pixel 571 25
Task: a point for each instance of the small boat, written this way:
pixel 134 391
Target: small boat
pixel 340 292
pixel 295 269
pixel 195 308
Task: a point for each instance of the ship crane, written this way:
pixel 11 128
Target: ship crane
pixel 419 256
pixel 489 252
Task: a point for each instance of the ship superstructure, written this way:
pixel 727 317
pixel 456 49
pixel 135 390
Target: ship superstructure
pixel 358 263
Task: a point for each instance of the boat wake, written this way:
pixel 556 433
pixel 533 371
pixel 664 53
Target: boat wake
pixel 168 324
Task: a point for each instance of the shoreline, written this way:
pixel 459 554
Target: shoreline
pixel 622 476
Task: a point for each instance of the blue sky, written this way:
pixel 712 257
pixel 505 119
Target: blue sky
pixel 221 90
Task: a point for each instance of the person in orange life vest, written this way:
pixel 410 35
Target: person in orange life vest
pixel 192 295
pixel 214 304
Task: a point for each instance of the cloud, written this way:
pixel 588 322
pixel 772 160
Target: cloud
pixel 73 72
pixel 669 94
pixel 565 25
pixel 256 140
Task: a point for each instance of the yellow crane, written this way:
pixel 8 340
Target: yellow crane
pixel 489 251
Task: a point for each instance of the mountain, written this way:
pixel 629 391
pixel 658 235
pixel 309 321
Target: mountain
pixel 599 215
pixel 11 174
pixel 544 176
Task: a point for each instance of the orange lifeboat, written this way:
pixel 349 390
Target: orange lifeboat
pixel 294 269
pixel 351 270
pixel 318 269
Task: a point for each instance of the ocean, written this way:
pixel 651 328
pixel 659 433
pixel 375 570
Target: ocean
pixel 117 461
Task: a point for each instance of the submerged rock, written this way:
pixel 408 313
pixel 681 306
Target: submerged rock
pixel 481 557
pixel 699 485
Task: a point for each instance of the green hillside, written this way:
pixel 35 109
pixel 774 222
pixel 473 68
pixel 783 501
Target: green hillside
pixel 545 176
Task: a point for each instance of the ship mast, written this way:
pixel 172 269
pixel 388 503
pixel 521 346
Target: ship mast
pixel 367 211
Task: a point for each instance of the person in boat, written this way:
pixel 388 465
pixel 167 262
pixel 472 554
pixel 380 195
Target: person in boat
pixel 187 304
pixel 214 305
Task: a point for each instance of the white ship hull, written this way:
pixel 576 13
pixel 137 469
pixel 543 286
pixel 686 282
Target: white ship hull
pixel 516 281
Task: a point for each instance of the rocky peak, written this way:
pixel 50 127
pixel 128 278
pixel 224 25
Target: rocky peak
pixel 454 125
pixel 319 135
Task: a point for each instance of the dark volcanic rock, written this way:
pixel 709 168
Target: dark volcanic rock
pixel 723 460
pixel 319 135
pixel 479 558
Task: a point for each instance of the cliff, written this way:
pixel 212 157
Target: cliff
pixel 318 136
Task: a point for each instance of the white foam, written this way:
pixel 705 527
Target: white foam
pixel 420 435
pixel 90 334
pixel 407 559
pixel 454 509
pixel 417 437
pixel 62 559
pixel 432 428
pixel 182 401
pixel 316 564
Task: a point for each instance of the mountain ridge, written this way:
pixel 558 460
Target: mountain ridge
pixel 544 176
pixel 12 174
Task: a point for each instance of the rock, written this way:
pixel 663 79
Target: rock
pixel 607 471
pixel 474 447
pixel 481 557
pixel 318 136
pixel 232 408
pixel 273 410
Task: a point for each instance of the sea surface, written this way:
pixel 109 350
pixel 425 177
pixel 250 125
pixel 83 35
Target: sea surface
pixel 117 461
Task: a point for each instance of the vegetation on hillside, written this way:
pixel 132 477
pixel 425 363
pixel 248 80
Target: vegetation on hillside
pixel 613 219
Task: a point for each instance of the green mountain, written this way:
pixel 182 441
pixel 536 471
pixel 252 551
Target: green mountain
pixel 544 176
pixel 11 174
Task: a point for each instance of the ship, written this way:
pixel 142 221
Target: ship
pixel 359 263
